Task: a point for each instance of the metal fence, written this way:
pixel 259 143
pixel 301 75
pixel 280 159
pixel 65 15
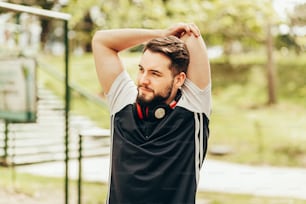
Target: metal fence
pixel 52 15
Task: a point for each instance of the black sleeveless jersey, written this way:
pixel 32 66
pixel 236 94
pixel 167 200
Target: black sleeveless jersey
pixel 157 161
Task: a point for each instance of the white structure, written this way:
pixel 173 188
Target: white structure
pixel 24 36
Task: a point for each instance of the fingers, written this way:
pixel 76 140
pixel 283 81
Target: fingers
pixel 188 28
pixel 191 28
pixel 182 29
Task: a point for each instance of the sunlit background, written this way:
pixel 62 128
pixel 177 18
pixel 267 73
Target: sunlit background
pixel 257 128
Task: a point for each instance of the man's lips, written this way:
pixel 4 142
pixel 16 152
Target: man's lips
pixel 145 89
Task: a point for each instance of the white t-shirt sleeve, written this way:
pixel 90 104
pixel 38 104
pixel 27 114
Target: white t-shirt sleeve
pixel 196 99
pixel 122 92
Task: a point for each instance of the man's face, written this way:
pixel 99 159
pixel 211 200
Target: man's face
pixel 154 80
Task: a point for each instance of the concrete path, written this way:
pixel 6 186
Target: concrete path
pixel 215 176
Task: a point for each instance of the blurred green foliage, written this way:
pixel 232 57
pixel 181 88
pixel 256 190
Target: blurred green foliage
pixel 223 22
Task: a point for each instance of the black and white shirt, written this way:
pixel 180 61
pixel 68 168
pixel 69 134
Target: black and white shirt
pixel 157 162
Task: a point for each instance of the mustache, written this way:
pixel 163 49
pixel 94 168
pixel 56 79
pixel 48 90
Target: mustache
pixel 144 86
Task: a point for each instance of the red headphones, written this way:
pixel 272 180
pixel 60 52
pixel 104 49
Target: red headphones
pixel 158 112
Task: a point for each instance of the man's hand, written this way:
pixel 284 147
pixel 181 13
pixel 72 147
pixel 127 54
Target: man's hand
pixel 181 29
pixel 199 67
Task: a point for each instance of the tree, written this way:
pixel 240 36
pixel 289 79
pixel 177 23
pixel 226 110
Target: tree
pixel 297 19
pixel 298 16
pixel 271 69
pixel 81 23
pixel 244 21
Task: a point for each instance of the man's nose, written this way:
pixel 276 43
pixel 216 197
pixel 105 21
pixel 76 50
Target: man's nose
pixel 144 79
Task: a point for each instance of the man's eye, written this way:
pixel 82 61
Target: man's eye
pixel 155 73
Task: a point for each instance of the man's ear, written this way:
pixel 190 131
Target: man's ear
pixel 179 79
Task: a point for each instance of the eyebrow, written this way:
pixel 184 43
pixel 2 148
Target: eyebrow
pixel 151 70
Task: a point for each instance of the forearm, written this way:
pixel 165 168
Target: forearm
pixel 199 66
pixel 121 39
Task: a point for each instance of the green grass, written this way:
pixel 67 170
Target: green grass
pixel 267 135
pixel 223 198
pixel 48 188
pixel 255 132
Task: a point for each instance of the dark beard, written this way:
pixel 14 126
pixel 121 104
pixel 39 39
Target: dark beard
pixel 157 100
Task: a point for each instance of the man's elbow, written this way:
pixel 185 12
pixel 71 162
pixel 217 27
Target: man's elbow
pixel 98 42
pixel 96 39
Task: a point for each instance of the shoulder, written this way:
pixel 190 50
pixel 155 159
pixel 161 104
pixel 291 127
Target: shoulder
pixel 196 99
pixel 122 92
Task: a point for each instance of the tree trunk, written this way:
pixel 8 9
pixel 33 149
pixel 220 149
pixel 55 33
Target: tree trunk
pixel 271 70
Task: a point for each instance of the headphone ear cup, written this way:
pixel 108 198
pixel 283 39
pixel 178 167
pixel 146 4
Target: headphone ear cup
pixel 160 111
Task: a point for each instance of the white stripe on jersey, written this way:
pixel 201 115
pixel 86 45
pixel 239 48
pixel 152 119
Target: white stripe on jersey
pixel 197 147
pixel 199 144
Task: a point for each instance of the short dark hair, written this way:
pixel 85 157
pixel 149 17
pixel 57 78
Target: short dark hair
pixel 174 48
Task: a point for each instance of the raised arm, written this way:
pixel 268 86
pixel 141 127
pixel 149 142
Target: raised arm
pixel 199 66
pixel 106 45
